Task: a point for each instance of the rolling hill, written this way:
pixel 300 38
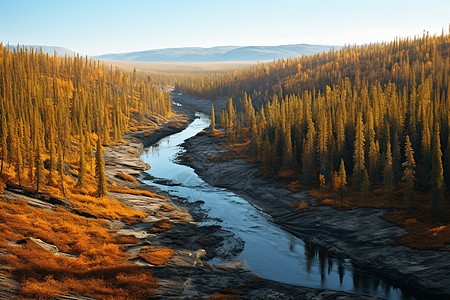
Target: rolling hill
pixel 217 54
pixel 61 51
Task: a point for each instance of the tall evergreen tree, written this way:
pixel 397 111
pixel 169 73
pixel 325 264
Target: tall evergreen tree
pixel 39 167
pixel 82 163
pixel 309 153
pixel 4 138
pixel 61 168
pixel 437 174
pixel 343 181
pixel 213 119
pixel 408 173
pixel 100 170
pixel 358 156
pixel 388 173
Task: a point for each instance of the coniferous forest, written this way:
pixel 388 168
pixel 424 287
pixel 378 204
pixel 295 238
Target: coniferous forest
pixel 49 103
pixel 224 150
pixel 362 126
pixel 56 116
pixel 362 119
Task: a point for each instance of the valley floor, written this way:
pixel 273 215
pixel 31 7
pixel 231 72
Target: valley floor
pixel 359 234
pixel 171 225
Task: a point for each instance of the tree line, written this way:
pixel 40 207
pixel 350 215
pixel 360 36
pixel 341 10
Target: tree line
pixel 375 116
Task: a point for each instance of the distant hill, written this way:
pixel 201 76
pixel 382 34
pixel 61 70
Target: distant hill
pixel 217 54
pixel 61 51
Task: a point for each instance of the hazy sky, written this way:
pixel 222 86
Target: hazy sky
pixel 108 26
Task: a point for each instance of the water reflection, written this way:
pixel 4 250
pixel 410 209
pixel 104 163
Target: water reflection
pixel 269 251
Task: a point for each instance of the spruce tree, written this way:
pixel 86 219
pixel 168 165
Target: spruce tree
pixel 213 119
pixel 4 137
pixel 82 163
pixel 39 167
pixel 358 155
pixel 100 170
pixel 388 173
pixel 343 181
pixel 309 154
pixel 437 174
pixel 61 168
pixel 408 173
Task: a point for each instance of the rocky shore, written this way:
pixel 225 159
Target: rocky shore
pixel 186 275
pixel 360 234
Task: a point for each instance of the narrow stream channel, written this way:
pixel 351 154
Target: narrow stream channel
pixel 269 251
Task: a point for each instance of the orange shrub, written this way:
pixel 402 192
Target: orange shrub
pixel 327 201
pixel 99 270
pixel 122 190
pixel 107 208
pixel 161 225
pixel 167 208
pixel 126 177
pixel 156 256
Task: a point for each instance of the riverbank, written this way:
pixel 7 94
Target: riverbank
pixel 170 227
pixel 360 234
pixel 186 275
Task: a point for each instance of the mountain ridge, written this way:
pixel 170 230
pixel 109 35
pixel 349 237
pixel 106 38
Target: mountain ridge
pixel 61 51
pixel 218 53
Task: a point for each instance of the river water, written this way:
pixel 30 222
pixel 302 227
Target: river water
pixel 269 251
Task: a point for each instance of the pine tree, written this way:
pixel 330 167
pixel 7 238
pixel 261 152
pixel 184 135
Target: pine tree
pixel 388 173
pixel 100 170
pixel 437 174
pixel 358 156
pixel 4 137
pixel 408 174
pixel 309 154
pixel 374 158
pixel 19 155
pixel 82 163
pixel 287 151
pixel 322 184
pixel 213 119
pixel 343 181
pixel 365 185
pixel 447 162
pixel 61 168
pixel 39 167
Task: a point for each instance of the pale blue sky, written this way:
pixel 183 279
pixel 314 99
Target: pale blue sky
pixel 109 26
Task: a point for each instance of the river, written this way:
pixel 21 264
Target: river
pixel 269 251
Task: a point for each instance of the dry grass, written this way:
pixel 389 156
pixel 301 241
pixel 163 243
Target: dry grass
pixel 179 216
pixel 122 190
pixel 215 133
pixel 106 208
pixel 156 256
pixel 422 230
pixel 167 208
pixel 99 269
pixel 126 177
pixel 300 205
pixel 161 225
